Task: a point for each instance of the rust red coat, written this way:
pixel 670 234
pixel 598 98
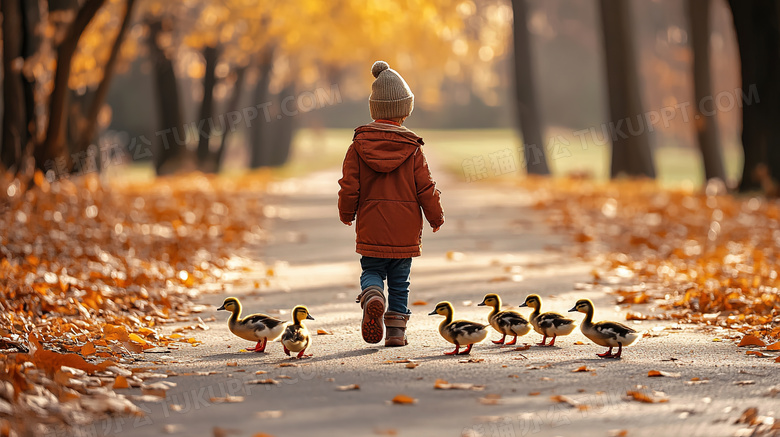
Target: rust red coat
pixel 386 183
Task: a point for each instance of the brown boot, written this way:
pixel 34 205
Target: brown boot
pixel 372 300
pixel 396 329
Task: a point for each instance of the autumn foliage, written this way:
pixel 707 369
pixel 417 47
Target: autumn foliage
pixel 88 274
pixel 704 255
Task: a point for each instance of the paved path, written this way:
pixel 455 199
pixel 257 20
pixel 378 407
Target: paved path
pixel 502 245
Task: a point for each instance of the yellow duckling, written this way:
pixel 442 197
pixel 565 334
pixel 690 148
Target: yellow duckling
pixel 506 322
pixel 607 334
pixel 254 327
pixel 296 337
pixel 458 332
pixel 548 324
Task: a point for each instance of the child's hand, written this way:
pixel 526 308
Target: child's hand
pixel 436 229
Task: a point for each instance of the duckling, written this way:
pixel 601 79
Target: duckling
pixel 548 324
pixel 296 337
pixel 506 322
pixel 458 332
pixel 607 334
pixel 254 327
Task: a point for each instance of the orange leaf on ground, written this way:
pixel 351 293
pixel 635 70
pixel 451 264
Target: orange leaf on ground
pixel 88 349
pixel 756 353
pixel 751 340
pixel 642 397
pixel 403 399
pixel 53 361
pixel 774 346
pixel 419 302
pixel 777 360
pixel 120 382
pixel 581 369
pixel 657 373
pixel 323 332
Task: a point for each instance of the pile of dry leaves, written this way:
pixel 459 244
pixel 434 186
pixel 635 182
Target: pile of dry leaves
pixel 704 255
pixel 88 273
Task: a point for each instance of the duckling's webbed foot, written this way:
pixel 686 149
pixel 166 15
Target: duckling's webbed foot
pixel 552 342
pixel 607 354
pixel 467 351
pixel 513 342
pixel 544 340
pixel 499 341
pixel 259 347
pixel 455 352
pixel 286 351
pixel 620 351
pixel 302 355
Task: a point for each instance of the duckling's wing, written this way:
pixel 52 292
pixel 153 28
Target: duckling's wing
pixel 465 327
pixel 293 333
pixel 260 322
pixel 613 329
pixel 550 320
pixel 508 319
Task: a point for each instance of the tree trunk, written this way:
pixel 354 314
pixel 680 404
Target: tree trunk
pixel 167 145
pixel 280 134
pixel 210 55
pixel 31 45
pixel 631 152
pixel 257 138
pixel 706 124
pixel 756 26
pixel 14 126
pixel 99 97
pixel 235 99
pixel 53 145
pixel 527 107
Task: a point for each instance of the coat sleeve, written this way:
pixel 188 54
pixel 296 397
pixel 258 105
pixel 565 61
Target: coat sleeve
pixel 350 186
pixel 428 195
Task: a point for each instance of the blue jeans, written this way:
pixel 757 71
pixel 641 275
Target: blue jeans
pixel 396 271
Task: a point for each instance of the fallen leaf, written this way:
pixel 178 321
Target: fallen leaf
pixel 774 346
pixel 227 399
pixel 751 340
pixel 263 381
pixel 534 393
pixel 561 399
pixel 441 384
pixel 748 417
pixel 232 363
pixel 403 399
pixel 756 353
pixel 411 365
pixel 472 360
pixel 172 428
pixel 523 348
pixel 420 303
pixel 643 397
pixel 120 382
pixel 746 382
pixel 348 387
pixel 618 433
pixel 579 343
pixel 288 365
pixel 323 332
pixel 581 369
pixel 88 349
pixel 490 399
pixel 657 373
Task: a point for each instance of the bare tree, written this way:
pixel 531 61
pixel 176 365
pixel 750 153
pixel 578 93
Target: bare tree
pixel 525 88
pixel 631 151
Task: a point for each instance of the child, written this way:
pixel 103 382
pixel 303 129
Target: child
pixel 385 183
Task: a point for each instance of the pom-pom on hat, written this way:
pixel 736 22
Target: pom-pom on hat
pixel 390 95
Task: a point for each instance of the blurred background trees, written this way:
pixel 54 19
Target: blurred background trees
pixel 194 85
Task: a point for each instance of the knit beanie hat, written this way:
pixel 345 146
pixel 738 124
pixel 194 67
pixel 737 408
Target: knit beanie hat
pixel 390 95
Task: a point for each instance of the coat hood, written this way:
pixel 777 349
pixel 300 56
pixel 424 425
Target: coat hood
pixel 384 146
